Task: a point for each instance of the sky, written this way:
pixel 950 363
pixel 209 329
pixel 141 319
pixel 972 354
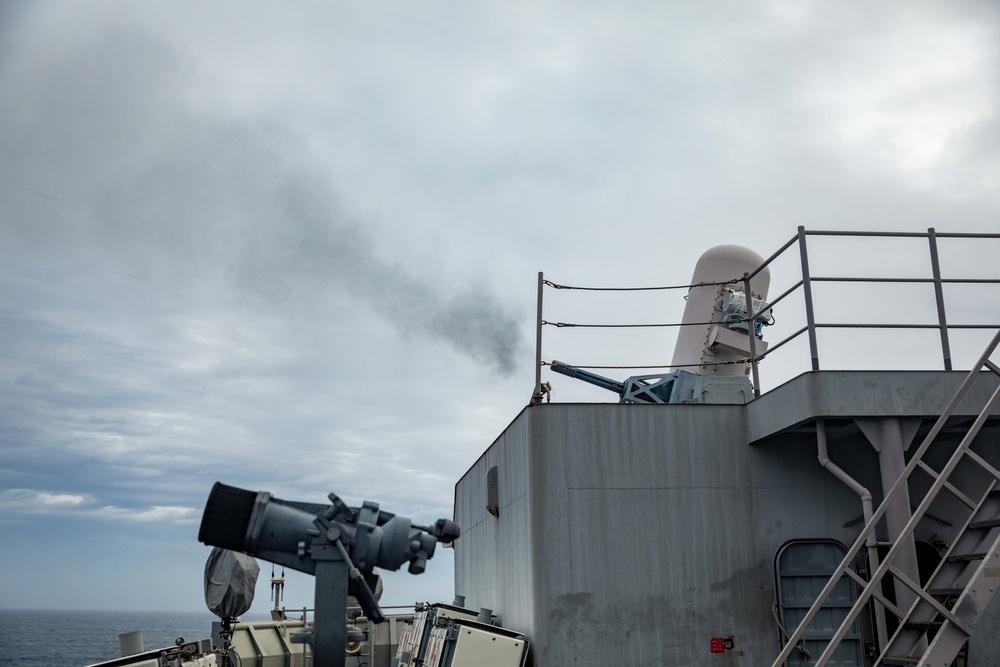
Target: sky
pixel 295 247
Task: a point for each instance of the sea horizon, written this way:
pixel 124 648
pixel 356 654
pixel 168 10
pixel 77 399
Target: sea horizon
pixel 253 613
pixel 75 637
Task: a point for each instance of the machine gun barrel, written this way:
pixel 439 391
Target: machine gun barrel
pixel 587 376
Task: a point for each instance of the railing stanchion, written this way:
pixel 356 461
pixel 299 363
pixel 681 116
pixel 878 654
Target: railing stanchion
pixel 807 294
pixel 753 335
pixel 939 297
pixel 537 396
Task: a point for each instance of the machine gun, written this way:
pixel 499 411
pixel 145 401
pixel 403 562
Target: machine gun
pixel 676 387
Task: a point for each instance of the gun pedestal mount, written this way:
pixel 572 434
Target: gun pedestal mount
pixel 337 544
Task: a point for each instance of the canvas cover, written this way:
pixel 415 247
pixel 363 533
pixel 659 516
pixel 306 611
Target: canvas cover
pixel 230 578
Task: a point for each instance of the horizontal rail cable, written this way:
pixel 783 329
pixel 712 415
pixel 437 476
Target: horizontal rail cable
pixel 549 283
pixel 704 365
pixel 565 325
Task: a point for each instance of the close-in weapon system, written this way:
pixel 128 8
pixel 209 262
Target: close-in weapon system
pixel 714 340
pixel 728 333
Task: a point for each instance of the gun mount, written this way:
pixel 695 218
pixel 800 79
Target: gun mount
pixel 675 387
pixel 339 545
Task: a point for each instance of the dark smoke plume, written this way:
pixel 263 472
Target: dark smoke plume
pixel 138 175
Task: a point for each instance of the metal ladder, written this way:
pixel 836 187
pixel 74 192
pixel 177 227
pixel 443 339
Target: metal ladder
pixel 944 615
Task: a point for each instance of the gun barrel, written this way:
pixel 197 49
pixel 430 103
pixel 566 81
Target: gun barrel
pixel 587 376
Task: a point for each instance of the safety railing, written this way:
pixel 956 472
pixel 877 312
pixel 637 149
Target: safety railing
pixel 804 284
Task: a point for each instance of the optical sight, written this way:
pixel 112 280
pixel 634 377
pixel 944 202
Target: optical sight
pixel 339 545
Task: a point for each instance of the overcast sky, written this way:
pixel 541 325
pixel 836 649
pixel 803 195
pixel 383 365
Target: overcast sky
pixel 294 247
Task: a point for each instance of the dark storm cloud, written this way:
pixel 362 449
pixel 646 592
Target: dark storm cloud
pixel 117 164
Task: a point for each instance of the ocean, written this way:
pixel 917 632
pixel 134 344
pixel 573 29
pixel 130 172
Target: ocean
pixel 76 638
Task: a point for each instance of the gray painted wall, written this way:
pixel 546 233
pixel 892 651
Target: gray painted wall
pixel 493 564
pixel 632 534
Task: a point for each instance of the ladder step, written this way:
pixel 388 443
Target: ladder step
pixel 983 463
pixel 956 558
pixel 948 485
pixel 923 625
pixel 900 660
pixel 986 523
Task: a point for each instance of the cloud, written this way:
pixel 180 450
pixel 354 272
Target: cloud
pixel 185 515
pixel 20 503
pixel 58 500
pixel 969 166
pixel 116 174
pixel 14 502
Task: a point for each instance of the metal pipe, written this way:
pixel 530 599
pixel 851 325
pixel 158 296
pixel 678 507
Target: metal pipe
pixel 825 461
pixel 858 325
pixel 956 235
pixel 807 294
pixel 867 510
pixel 966 235
pixel 883 234
pixel 862 279
pixel 773 257
pixel 777 346
pixel 776 300
pixel 939 298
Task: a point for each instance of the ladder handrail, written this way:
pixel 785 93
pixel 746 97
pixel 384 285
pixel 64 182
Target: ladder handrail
pixel 942 564
pixel 869 529
pixel 916 516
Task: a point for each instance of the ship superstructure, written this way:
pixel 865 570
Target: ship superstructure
pixel 701 530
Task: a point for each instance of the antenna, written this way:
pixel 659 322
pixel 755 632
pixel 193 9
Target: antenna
pixel 277 593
